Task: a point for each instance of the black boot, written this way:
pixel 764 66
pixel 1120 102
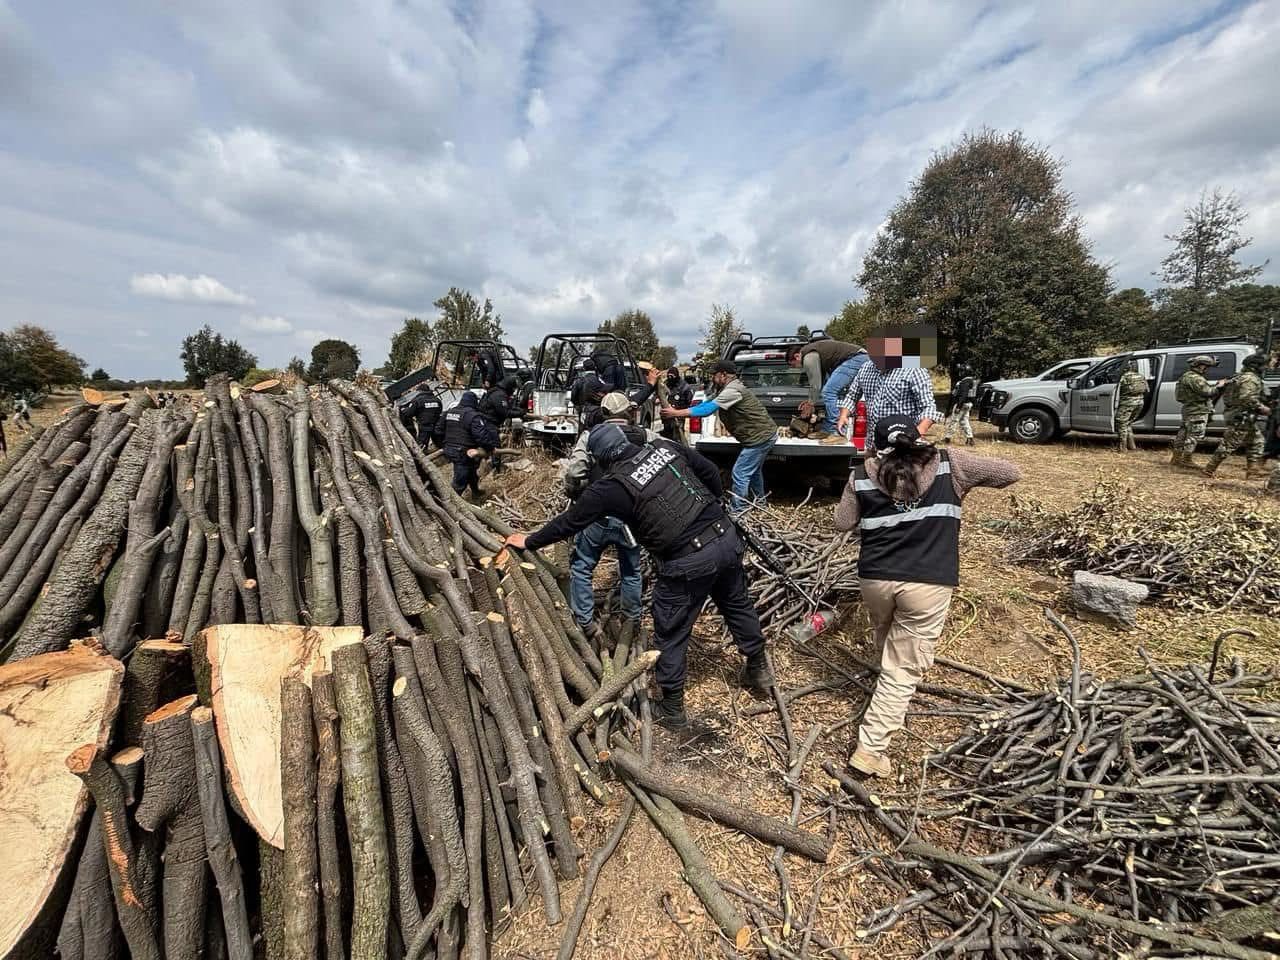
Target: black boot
pixel 756 675
pixel 669 711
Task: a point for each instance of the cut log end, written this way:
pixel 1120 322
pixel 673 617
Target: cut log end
pixel 81 759
pixel 181 705
pixel 398 688
pixel 126 757
pixel 742 938
pixel 92 397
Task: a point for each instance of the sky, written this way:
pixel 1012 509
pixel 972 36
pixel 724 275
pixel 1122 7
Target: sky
pixel 289 171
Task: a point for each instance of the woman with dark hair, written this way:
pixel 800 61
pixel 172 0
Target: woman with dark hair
pixel 904 502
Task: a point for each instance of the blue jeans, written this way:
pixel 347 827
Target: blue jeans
pixel 587 550
pixel 835 387
pixel 748 471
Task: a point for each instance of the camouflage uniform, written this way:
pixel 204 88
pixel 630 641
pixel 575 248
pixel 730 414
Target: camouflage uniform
pixel 1273 482
pixel 1242 404
pixel 1195 393
pixel 1130 391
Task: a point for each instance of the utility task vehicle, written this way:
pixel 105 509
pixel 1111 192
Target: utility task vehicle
pixel 552 416
pixel 452 369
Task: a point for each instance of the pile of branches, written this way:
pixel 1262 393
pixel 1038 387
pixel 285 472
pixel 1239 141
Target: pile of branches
pixel 1203 557
pixel 442 722
pixel 820 561
pixel 1123 817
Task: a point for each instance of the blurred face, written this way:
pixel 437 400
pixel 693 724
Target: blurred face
pixel 910 346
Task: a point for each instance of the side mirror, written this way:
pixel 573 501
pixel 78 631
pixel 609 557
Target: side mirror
pixel 1073 383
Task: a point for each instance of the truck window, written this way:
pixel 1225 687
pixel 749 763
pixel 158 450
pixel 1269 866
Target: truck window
pixel 1226 366
pixel 1067 371
pixel 767 374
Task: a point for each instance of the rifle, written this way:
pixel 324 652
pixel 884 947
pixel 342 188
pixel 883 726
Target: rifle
pixel 773 563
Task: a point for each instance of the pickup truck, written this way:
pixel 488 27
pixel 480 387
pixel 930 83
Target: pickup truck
pixel 1089 399
pixel 552 418
pixel 1030 408
pixel 763 369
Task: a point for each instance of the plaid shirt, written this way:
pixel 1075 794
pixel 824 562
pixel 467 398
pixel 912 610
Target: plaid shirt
pixel 906 391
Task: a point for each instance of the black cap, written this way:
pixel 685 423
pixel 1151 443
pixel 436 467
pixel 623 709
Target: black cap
pixel 896 431
pixel 725 366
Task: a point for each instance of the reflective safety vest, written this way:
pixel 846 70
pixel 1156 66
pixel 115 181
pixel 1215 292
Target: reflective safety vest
pixel 668 495
pixel 919 541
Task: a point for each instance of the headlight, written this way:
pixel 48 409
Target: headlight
pixel 999 398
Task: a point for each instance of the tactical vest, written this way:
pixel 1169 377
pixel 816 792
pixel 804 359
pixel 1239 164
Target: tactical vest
pixel 494 405
pixel 1185 393
pixel 918 542
pixel 1236 400
pixel 457 428
pixel 668 496
pixel 748 420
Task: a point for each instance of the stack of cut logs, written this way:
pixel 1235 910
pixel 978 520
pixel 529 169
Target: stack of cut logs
pixel 273 687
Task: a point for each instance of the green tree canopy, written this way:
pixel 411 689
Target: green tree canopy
pixel 463 318
pixel 665 357
pixel 1130 318
pixel 410 348
pixel 986 241
pixel 32 361
pixel 1203 265
pixel 636 327
pixel 205 353
pixel 852 323
pixel 99 375
pixel 333 360
pixel 296 367
pixel 718 331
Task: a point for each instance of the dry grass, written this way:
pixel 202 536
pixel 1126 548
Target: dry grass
pixel 996 623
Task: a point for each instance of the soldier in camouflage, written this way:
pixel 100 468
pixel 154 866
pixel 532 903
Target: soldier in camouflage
pixel 1129 394
pixel 1195 393
pixel 1242 405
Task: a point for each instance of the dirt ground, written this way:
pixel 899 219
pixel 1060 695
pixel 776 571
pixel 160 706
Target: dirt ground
pixel 643 909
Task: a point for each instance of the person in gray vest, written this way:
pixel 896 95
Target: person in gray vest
pixel 669 497
pixel 589 545
pixel 904 502
pixel 830 366
pixel 744 416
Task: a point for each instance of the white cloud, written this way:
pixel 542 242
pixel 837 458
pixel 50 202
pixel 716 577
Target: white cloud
pixel 538 113
pixel 265 324
pixel 183 289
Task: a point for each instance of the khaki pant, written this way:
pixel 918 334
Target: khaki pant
pixel 906 621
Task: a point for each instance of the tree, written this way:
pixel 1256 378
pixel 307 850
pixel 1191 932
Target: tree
pixel 462 318
pixel 296 367
pixel 1130 318
pixel 99 375
pixel 636 327
pixel 333 360
pixel 410 348
pixel 1251 307
pixel 664 358
pixel 720 330
pixel 1203 263
pixel 986 242
pixel 32 361
pixel 205 353
pixel 852 323
pixel 803 331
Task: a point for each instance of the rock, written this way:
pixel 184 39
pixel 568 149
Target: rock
pixel 1112 600
pixel 524 463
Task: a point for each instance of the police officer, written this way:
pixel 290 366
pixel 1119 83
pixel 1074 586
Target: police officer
pixel 1195 392
pixel 669 496
pixel 420 413
pixel 586 392
pixel 1242 405
pixel 963 393
pixel 466 436
pixel 581 471
pixel 495 405
pixel 676 393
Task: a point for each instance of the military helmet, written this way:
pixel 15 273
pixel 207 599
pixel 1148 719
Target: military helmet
pixel 1202 360
pixel 1255 361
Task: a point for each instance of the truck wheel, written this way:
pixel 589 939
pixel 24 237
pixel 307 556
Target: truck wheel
pixel 1032 426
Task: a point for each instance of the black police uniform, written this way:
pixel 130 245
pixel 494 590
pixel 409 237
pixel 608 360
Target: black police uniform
pixel 421 414
pixel 610 370
pixel 669 496
pixel 490 367
pixel 459 430
pixel 585 394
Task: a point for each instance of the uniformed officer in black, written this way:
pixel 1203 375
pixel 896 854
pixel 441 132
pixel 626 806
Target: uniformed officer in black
pixel 460 430
pixel 420 413
pixel 669 496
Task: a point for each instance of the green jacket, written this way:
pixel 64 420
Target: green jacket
pixel 743 414
pixel 1243 396
pixel 1195 393
pixel 1133 386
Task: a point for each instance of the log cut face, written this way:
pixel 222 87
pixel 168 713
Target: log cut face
pixel 49 705
pixel 246 664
